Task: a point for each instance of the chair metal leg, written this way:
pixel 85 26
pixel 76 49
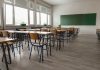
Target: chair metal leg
pixel 22 45
pixel 41 55
pixel 63 43
pixel 40 58
pixel 9 54
pixel 13 50
pixel 19 49
pixel 37 50
pixel 28 45
pixel 30 52
pixel 47 50
pixel 57 45
pixel 2 58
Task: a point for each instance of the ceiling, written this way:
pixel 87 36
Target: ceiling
pixel 58 2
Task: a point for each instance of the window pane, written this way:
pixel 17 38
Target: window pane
pixel 21 16
pixel 38 18
pixel 49 20
pixel 31 17
pixel 43 18
pixel 9 14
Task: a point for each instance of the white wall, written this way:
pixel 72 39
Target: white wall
pixel 78 7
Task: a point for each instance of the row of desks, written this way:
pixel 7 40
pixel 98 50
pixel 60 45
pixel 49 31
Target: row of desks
pixel 38 32
pixel 4 40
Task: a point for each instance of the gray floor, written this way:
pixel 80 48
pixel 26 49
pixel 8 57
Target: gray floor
pixel 83 53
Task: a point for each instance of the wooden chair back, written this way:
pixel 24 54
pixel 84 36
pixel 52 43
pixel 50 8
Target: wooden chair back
pixel 5 33
pixel 34 36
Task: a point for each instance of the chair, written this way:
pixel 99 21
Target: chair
pixel 19 40
pixel 60 39
pixel 1 35
pixel 36 41
pixel 53 36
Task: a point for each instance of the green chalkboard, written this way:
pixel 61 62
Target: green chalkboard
pixel 78 19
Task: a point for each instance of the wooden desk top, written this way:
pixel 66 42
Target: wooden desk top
pixel 5 39
pixel 38 32
pixel 32 29
pixel 13 31
pixel 61 30
pixel 45 33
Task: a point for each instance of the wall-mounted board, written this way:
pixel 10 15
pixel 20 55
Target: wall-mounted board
pixel 78 19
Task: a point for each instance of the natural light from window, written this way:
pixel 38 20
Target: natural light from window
pixel 9 14
pixel 43 18
pixel 49 20
pixel 21 16
pixel 38 18
pixel 31 17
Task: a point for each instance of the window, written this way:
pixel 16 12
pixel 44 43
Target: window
pixel 43 18
pixel 21 16
pixel 31 17
pixel 38 18
pixel 17 12
pixel 9 14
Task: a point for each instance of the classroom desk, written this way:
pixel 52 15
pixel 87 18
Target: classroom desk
pixel 4 40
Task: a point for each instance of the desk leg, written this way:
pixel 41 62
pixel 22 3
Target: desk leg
pixel 28 44
pixel 59 44
pixel 50 45
pixel 42 53
pixel 9 54
pixel 3 49
pixel 47 45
